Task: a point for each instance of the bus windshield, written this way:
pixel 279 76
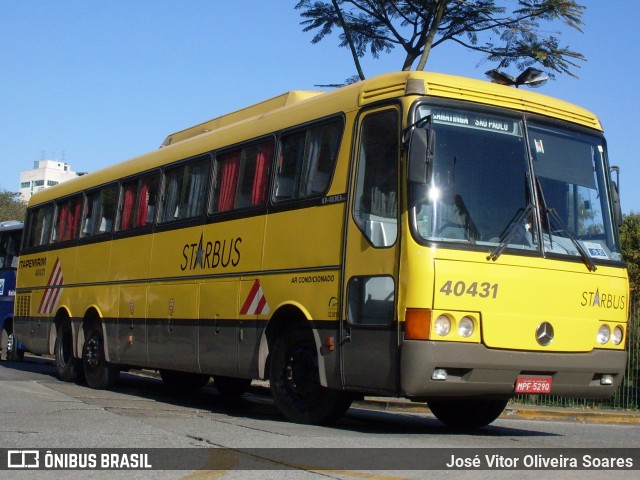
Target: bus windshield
pixel 10 237
pixel 572 180
pixel 480 190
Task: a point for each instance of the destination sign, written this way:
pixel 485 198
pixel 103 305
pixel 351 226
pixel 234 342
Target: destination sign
pixel 477 121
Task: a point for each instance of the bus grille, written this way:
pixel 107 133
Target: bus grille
pixel 23 305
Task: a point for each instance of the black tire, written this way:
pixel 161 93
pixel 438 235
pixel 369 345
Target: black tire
pixel 9 345
pixel 295 382
pixel 98 373
pixel 67 366
pixel 467 413
pixel 183 382
pixel 230 387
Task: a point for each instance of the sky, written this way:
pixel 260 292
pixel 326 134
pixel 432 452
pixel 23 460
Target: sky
pixel 94 82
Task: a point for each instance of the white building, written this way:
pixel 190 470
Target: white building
pixel 45 173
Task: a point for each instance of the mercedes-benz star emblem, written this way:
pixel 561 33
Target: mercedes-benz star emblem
pixel 544 334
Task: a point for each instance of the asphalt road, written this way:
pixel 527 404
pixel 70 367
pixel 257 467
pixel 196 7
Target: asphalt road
pixel 37 411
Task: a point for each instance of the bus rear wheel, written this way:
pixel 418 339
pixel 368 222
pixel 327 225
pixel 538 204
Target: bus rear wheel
pixel 98 373
pixel 9 345
pixel 295 382
pixel 467 413
pixel 67 366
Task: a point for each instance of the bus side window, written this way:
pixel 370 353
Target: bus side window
pixel 254 181
pixel 39 223
pixel 139 200
pixel 370 300
pixel 100 211
pixel 67 222
pixel 307 160
pixel 242 177
pixel 13 249
pixel 5 261
pixel 376 199
pixel 186 190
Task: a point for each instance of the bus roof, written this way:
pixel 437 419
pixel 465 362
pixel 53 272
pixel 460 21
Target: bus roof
pixel 280 101
pixel 280 111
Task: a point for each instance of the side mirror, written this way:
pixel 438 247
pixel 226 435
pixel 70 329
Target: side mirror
pixel 615 190
pixel 421 148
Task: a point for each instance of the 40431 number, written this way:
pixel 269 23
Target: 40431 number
pixel 460 288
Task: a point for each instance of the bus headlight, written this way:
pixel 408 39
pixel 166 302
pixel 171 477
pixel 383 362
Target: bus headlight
pixel 617 335
pixel 604 333
pixel 465 327
pixel 442 325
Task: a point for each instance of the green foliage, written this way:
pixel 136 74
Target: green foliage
pixel 11 207
pixel 630 243
pixel 520 35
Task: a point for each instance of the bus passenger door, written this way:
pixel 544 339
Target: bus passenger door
pixel 369 328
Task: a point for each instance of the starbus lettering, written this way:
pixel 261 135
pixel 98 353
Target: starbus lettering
pixel 209 255
pixel 603 300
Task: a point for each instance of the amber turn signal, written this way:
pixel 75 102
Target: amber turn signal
pixel 417 324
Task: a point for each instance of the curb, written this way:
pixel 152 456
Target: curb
pixel 517 411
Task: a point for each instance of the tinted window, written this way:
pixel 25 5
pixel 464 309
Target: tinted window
pixel 9 248
pixel 139 201
pixel 67 224
pixel 242 177
pixel 376 204
pixel 39 223
pixel 100 211
pixel 185 190
pixel 306 163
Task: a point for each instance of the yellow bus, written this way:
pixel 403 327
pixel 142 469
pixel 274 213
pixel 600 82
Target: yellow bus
pixel 414 235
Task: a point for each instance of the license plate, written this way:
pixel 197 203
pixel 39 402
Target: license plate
pixel 538 385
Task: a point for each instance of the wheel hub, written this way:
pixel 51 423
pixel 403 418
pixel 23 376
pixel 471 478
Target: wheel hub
pixel 301 374
pixel 92 352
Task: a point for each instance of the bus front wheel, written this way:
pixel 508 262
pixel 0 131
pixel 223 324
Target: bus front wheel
pixel 98 373
pixel 467 413
pixel 295 382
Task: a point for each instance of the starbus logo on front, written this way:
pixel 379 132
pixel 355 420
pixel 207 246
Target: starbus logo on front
pixel 603 300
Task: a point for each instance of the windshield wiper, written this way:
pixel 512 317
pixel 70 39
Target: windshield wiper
pixel 553 214
pixel 510 232
pixel 406 133
pixel 583 252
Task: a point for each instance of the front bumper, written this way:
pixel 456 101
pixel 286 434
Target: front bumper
pixel 475 370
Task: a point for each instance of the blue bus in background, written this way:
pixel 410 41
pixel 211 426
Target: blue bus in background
pixel 10 238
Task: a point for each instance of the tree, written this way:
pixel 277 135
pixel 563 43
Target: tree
pixel 519 37
pixel 630 243
pixel 11 207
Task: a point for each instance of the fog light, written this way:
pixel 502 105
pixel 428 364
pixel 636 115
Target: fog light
pixel 465 327
pixel 606 380
pixel 439 374
pixel 617 336
pixel 442 325
pixel 604 332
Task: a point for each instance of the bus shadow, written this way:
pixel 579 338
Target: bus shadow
pixel 257 404
pixel 374 422
pixel 33 364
